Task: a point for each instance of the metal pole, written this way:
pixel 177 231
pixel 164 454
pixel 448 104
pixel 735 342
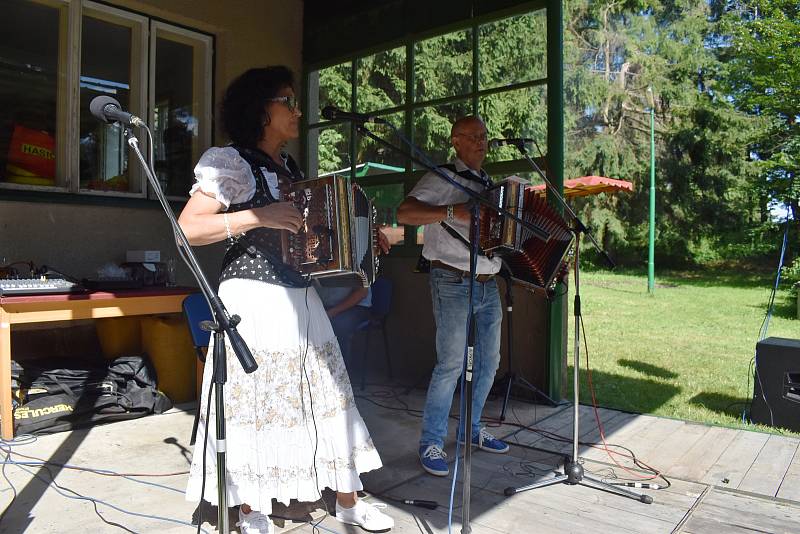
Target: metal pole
pixel 556 338
pixel 651 274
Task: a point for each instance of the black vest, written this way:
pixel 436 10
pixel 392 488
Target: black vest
pixel 257 254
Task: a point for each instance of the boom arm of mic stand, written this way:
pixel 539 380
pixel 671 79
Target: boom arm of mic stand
pixel 582 228
pixel 537 231
pixel 225 322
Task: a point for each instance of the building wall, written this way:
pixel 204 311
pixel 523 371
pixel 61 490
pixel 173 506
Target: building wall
pixel 78 238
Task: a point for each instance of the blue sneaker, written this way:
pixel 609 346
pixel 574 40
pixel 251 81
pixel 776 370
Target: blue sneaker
pixel 432 458
pixel 487 442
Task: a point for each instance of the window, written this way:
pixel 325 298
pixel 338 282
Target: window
pixel 180 100
pixel 111 45
pixel 31 70
pixel 49 141
pixel 493 67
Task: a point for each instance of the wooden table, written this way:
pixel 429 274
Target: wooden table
pixel 69 307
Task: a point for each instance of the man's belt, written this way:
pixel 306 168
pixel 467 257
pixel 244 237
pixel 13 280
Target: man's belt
pixel 482 278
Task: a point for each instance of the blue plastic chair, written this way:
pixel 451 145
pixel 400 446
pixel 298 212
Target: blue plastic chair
pixel 196 310
pixel 379 311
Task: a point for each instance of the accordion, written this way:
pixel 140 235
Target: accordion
pixel 337 243
pixel 533 262
pixel 499 234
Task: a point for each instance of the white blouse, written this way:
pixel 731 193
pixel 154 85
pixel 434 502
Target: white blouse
pixel 225 175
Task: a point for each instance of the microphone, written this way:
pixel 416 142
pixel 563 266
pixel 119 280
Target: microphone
pixel 108 110
pixel 333 113
pixel 513 141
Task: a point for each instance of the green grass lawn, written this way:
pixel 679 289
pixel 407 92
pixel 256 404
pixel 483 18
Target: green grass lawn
pixel 683 351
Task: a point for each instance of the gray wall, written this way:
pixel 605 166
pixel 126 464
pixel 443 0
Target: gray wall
pixel 76 239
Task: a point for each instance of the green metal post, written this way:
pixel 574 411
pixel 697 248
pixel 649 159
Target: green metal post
pixel 556 342
pixel 651 274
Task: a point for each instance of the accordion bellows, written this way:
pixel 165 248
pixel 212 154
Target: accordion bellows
pixel 533 262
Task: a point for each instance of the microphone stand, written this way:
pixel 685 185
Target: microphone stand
pixel 573 468
pixel 465 425
pixel 223 324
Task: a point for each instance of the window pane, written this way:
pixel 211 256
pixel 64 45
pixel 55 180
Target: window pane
pixel 372 158
pixel 386 199
pixel 519 113
pixel 381 80
pixel 175 116
pixel 331 86
pixel 28 92
pixel 105 70
pixel 432 129
pixel 443 66
pixel 513 50
pixel 332 146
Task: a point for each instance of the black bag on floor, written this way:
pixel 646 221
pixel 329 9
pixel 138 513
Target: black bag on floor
pixel 63 399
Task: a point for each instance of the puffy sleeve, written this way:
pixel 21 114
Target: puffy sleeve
pixel 224 174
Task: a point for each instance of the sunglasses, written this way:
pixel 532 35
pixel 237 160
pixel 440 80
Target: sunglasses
pixel 290 101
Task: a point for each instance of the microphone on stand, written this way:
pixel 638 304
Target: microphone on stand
pixel 513 141
pixel 333 113
pixel 108 110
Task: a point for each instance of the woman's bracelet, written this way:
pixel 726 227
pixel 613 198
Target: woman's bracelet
pixel 227 226
pixel 450 213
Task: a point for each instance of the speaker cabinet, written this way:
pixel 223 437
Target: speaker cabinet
pixel 776 395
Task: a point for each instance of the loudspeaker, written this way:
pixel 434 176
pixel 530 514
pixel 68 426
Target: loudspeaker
pixel 776 395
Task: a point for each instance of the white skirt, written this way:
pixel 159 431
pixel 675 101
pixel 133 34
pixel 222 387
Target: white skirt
pixel 292 426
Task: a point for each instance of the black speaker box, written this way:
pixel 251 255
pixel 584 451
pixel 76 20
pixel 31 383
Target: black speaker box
pixel 776 395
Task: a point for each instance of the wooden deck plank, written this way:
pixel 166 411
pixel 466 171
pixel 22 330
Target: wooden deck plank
pixel 766 474
pixel 621 436
pixel 560 422
pixel 564 431
pixel 544 510
pixel 669 506
pixel 705 452
pixel 648 444
pixel 790 487
pixel 589 431
pixel 735 513
pixel 613 422
pixel 734 463
pixel 674 446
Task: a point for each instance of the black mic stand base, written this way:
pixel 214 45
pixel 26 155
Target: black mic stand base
pixel 511 380
pixel 573 474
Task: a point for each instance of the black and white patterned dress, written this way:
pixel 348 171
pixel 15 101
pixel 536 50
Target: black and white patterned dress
pixel 301 378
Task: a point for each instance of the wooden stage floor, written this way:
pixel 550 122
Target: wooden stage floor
pixel 722 480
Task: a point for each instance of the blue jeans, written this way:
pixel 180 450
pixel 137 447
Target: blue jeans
pixel 450 295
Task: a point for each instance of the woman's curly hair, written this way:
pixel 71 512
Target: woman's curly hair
pixel 243 107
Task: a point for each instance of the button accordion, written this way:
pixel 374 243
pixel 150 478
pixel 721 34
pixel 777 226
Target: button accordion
pixel 338 242
pixel 533 262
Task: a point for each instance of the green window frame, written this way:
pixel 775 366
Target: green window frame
pixel 477 92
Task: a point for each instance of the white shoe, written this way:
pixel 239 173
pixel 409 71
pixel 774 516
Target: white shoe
pixel 365 515
pixel 255 523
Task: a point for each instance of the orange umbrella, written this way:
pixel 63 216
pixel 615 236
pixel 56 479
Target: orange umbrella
pixel 588 185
